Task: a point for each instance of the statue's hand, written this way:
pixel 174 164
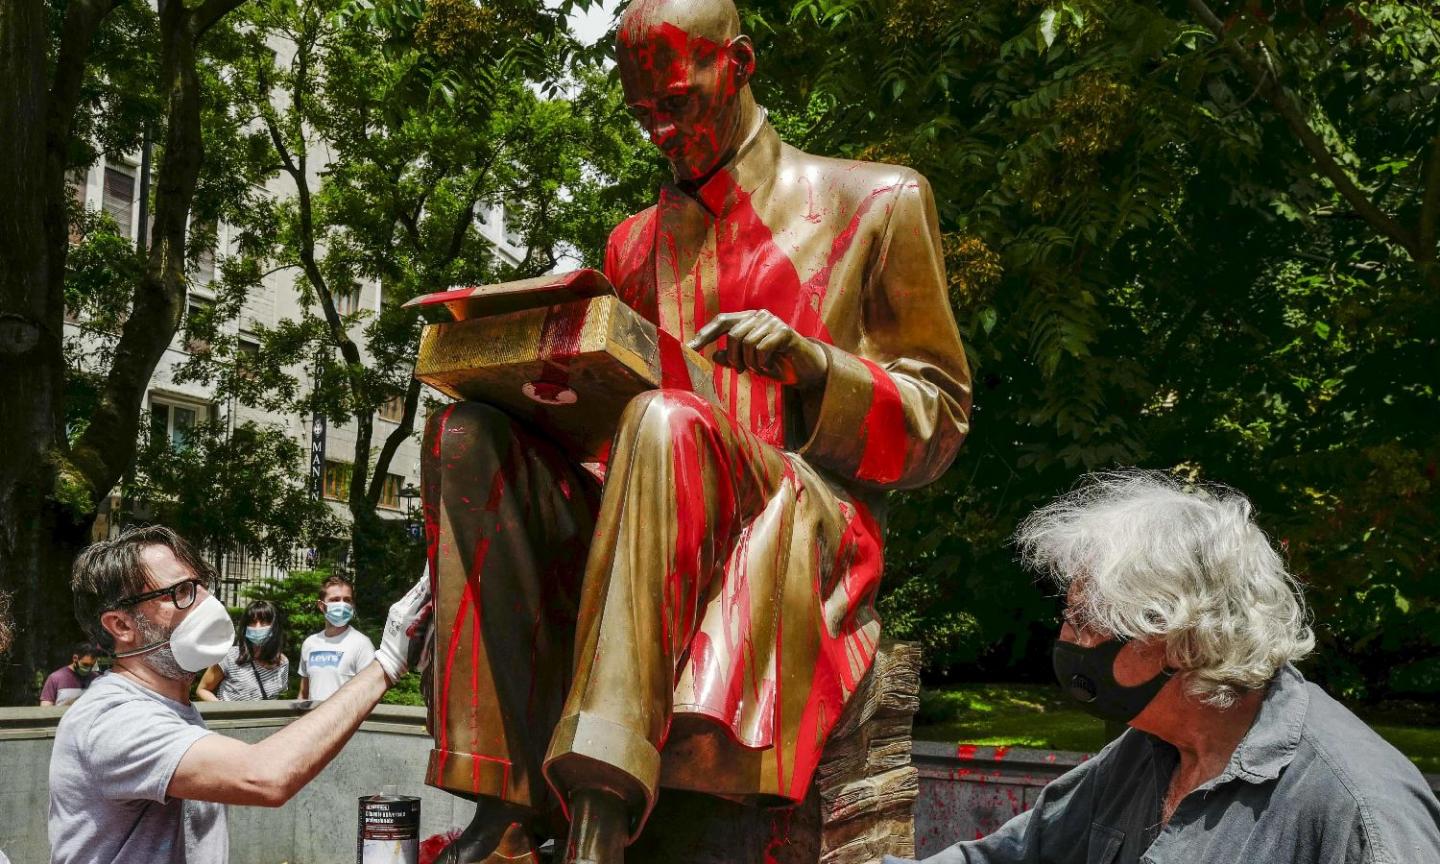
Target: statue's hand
pixel 758 341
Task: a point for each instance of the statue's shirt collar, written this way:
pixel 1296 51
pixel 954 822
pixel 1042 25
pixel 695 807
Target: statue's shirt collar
pixel 745 177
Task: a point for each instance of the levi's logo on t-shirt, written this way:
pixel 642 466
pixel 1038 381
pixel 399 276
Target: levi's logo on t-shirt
pixel 325 659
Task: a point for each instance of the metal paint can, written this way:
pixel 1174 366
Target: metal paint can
pixel 389 830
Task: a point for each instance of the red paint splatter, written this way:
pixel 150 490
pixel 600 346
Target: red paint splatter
pixel 779 835
pixel 674 371
pixel 883 457
pixel 432 846
pixel 560 334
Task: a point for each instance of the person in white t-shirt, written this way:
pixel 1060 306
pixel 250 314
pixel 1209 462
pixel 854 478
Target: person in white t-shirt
pixel 335 655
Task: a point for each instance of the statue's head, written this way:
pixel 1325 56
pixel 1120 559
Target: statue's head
pixel 686 71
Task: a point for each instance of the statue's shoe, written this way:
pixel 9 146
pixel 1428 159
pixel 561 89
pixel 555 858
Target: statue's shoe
pixel 516 846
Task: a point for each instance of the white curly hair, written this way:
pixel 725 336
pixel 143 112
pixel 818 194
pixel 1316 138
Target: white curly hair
pixel 1155 558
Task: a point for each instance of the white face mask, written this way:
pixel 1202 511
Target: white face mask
pixel 201 640
pixel 204 637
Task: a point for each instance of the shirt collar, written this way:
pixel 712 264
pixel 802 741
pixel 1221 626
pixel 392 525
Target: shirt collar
pixel 747 174
pixel 1273 738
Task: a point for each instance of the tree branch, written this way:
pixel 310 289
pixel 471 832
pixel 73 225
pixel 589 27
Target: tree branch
pixel 1429 203
pixel 209 13
pixel 107 447
pixel 1294 117
pixel 77 32
pixel 462 222
pixel 393 441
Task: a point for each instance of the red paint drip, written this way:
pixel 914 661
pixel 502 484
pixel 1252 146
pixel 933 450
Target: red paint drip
pixel 779 835
pixel 699 531
pixel 883 458
pixel 674 371
pixel 560 343
pixel 442 427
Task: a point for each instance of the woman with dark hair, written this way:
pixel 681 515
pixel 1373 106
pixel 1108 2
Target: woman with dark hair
pixel 256 667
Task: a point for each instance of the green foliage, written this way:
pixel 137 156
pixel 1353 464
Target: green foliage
pixel 399 122
pixel 405 692
pixel 260 505
pixel 1150 267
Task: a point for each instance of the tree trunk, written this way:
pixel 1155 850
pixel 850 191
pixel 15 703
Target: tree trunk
pixel 31 361
pixel 49 491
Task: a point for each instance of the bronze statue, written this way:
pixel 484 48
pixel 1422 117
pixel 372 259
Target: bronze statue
pixel 699 618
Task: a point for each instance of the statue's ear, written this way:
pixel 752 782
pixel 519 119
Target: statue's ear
pixel 742 53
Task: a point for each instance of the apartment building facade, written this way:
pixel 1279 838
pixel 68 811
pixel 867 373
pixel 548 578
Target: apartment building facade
pixel 173 406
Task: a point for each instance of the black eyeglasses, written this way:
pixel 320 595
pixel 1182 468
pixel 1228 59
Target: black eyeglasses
pixel 182 594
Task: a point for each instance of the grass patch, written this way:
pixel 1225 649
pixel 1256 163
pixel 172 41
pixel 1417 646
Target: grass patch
pixel 1420 743
pixel 1028 715
pixel 1013 715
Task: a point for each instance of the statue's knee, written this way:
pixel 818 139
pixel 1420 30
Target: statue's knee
pixel 657 417
pixel 468 430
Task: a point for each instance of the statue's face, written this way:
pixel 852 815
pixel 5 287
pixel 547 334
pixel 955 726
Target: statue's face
pixel 685 91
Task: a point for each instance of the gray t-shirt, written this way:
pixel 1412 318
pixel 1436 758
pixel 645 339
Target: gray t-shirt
pixel 115 751
pixel 1309 784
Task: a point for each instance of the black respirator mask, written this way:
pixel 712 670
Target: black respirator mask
pixel 1088 675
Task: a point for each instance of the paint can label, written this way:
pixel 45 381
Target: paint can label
pixel 389 831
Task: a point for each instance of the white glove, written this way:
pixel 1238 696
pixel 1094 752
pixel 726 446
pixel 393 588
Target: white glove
pixel 405 629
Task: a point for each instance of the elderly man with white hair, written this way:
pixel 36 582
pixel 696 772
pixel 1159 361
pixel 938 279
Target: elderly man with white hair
pixel 1182 622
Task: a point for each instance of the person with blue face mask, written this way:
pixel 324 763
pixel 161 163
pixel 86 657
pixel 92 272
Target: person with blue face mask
pixel 335 655
pixel 256 666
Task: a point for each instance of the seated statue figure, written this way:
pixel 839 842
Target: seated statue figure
pixel 699 618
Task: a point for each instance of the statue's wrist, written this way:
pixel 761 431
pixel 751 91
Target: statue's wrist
pixel 820 364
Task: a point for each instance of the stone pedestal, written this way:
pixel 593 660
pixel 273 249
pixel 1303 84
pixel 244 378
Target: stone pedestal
pixel 860 805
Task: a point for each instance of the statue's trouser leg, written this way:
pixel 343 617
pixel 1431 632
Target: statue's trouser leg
pixel 509 521
pixel 683 481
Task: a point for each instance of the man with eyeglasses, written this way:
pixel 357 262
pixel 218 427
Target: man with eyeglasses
pixel 134 775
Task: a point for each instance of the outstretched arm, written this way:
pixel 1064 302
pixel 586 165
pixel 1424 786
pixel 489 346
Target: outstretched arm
pixel 270 772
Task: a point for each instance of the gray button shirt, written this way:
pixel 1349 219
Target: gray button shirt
pixel 1309 784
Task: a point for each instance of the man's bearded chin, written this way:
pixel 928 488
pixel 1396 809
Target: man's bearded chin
pixel 161 659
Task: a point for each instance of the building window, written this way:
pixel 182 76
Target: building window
pixel 204 272
pixel 194 308
pixel 76 181
pixel 337 480
pixel 390 492
pixel 119 197
pixel 346 302
pixel 393 409
pixel 174 423
pixel 247 356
